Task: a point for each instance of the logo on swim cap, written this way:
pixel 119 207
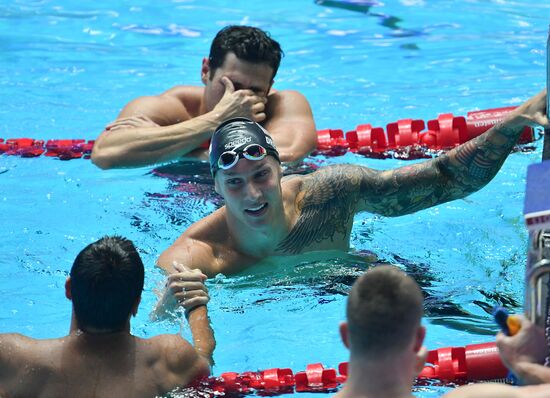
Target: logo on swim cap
pixel 238 133
pixel 238 142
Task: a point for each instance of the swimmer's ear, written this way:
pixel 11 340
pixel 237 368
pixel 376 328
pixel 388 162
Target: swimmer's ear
pixel 68 288
pixel 136 306
pixel 205 70
pixel 419 338
pixel 344 333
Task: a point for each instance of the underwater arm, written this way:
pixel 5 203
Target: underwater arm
pixel 203 335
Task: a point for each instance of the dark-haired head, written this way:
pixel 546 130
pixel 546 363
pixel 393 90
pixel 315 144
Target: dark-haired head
pixel 248 44
pixel 106 284
pixel 384 311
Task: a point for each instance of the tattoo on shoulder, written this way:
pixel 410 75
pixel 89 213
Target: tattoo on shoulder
pixel 326 202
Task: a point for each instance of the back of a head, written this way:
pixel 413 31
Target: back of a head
pixel 247 43
pixel 384 310
pixel 106 280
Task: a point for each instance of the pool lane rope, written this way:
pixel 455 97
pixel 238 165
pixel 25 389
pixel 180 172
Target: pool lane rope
pixel 404 139
pixel 447 366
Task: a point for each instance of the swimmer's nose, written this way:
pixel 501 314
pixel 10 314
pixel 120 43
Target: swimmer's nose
pixel 253 193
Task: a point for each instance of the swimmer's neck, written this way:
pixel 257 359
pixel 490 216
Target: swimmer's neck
pixel 383 378
pixel 99 334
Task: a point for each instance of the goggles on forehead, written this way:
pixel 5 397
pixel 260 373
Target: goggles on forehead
pixel 229 159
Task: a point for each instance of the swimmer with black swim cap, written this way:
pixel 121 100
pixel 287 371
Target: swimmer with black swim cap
pixel 267 214
pixel 239 138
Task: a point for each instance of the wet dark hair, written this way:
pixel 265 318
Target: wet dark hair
pixel 247 43
pixel 384 310
pixel 106 280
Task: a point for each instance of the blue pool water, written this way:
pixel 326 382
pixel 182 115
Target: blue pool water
pixel 67 68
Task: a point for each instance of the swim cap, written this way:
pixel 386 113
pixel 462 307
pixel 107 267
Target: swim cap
pixel 235 135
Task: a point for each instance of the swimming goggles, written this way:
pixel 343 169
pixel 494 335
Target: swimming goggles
pixel 229 159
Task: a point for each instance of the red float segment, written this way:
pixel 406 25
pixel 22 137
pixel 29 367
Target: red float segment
pixel 479 122
pixel 404 132
pixel 476 362
pixel 316 378
pixel 69 149
pixel 332 142
pixel 450 131
pixel 367 139
pixel 25 147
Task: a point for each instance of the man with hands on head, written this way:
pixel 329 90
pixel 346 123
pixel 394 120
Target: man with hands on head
pixel 238 76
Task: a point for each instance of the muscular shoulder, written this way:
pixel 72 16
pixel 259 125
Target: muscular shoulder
pixel 172 106
pixel 27 362
pixel 179 358
pixel 289 102
pixel 324 204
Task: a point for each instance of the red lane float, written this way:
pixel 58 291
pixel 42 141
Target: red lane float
pixel 449 365
pixel 405 139
pixel 410 139
pixel 476 362
pixel 62 149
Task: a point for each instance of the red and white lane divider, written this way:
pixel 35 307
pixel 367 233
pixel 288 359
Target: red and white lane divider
pixel 456 365
pixel 405 139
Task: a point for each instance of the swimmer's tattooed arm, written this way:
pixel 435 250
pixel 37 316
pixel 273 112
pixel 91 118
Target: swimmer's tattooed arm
pixel 332 195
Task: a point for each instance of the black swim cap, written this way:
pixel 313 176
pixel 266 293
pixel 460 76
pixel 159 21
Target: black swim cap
pixel 235 135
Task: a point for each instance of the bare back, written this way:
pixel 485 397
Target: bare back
pixel 118 365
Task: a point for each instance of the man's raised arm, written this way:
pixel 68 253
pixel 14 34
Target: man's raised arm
pixel 454 175
pixel 328 198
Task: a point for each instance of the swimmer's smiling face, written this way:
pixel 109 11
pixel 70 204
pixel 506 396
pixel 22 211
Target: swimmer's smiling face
pixel 252 191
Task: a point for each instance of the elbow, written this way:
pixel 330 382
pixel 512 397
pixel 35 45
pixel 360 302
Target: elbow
pixel 296 153
pixel 101 160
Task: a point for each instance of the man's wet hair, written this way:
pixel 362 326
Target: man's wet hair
pixel 248 44
pixel 106 280
pixel 384 310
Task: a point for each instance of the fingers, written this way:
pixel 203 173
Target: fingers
pixel 131 122
pixel 191 298
pixel 229 87
pixel 187 286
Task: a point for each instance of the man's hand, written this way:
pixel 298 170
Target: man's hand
pixel 533 112
pixel 187 287
pixel 240 103
pixel 528 346
pixel 131 122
